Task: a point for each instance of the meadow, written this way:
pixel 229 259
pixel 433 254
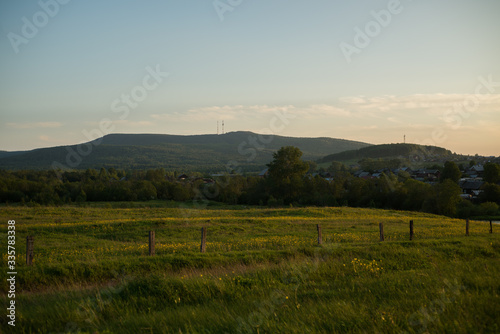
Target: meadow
pixel 263 271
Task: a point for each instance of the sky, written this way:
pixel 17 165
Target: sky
pixel 368 70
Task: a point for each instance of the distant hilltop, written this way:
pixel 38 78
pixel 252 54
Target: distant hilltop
pixel 410 152
pixel 242 151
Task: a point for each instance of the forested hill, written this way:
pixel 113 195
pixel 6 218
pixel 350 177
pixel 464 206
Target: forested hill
pixel 4 154
pixel 387 151
pixel 204 153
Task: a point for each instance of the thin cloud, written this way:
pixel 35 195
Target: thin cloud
pixel 236 112
pixel 434 104
pixel 353 99
pixel 128 123
pixel 394 120
pixel 241 112
pixel 38 125
pixel 323 110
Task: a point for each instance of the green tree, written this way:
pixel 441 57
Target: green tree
pixel 357 191
pixel 492 172
pixel 155 175
pixel 103 174
pixel 145 190
pixel 179 192
pixel 112 173
pixel 338 186
pixel 467 209
pixel 312 166
pixel 81 197
pixel 489 208
pixel 286 173
pixel 447 196
pixel 416 193
pixel 227 188
pixel 336 166
pixel 91 174
pixel 451 172
pixel 403 176
pixel 491 193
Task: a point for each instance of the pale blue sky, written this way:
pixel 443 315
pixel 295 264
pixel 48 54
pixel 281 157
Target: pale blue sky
pixel 262 57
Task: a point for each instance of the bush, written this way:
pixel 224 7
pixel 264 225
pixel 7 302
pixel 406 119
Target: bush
pixel 272 202
pixel 489 209
pixel 466 209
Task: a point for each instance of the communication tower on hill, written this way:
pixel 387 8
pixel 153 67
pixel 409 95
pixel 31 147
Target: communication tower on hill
pixel 220 130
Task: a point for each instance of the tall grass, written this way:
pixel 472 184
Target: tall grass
pixel 262 273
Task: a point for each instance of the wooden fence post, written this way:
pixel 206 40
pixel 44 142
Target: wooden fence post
pixel 203 239
pixel 491 227
pixel 151 243
pixel 411 229
pixel 467 227
pixel 381 227
pixel 29 250
pixel 320 237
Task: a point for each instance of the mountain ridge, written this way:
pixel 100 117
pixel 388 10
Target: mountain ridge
pixel 244 150
pixel 385 151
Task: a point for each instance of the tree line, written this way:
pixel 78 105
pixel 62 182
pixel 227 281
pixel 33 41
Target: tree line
pixel 289 182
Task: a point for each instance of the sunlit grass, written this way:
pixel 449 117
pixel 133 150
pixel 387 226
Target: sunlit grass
pixel 92 272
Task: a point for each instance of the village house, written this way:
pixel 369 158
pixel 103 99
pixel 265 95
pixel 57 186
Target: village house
pixel 471 187
pixel 475 171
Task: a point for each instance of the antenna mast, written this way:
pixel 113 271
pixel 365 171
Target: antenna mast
pixel 222 127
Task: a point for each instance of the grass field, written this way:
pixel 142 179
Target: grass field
pixel 263 271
